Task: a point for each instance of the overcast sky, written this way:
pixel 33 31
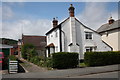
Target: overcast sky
pixel 35 18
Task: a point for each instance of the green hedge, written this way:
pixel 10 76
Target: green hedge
pixel 102 58
pixel 63 60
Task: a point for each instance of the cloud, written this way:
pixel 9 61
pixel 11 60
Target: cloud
pixel 14 28
pixel 7 12
pixel 0 21
pixel 27 27
pixel 36 27
pixel 95 14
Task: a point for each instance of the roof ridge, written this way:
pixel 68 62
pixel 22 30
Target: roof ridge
pixel 33 36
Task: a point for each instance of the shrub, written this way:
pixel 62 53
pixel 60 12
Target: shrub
pixel 65 60
pixel 35 60
pixel 12 57
pixel 48 62
pixel 102 58
pixel 28 51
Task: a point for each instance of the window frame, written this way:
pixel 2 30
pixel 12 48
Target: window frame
pixel 90 49
pixel 89 35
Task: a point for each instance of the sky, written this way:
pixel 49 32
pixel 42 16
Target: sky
pixel 35 18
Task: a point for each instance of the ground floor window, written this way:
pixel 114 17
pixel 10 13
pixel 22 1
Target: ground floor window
pixel 89 49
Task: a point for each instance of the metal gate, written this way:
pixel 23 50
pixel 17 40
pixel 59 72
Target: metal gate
pixel 13 66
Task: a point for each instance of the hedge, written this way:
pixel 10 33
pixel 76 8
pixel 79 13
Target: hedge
pixel 62 60
pixel 102 58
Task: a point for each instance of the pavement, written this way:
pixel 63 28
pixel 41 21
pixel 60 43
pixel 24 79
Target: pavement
pixel 67 73
pixel 3 71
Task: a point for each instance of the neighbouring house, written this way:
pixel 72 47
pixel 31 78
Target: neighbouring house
pixel 7 49
pixel 14 50
pixel 73 36
pixel 38 41
pixel 110 33
pixel 10 42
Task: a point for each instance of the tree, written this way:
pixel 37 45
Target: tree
pixel 28 50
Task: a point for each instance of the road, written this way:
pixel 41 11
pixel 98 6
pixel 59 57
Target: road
pixel 99 75
pixel 77 72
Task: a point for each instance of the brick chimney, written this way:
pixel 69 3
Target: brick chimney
pixel 71 10
pixel 111 20
pixel 55 22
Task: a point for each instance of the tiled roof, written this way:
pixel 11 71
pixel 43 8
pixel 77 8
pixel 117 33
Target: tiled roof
pixel 38 41
pixel 108 27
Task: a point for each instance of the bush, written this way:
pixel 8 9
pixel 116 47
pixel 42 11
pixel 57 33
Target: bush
pixel 35 59
pixel 28 51
pixel 48 62
pixel 12 57
pixel 102 58
pixel 63 60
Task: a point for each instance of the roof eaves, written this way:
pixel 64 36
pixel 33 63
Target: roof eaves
pixel 56 27
pixel 108 30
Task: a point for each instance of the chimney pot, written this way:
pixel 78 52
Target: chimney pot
pixel 71 10
pixel 111 20
pixel 55 22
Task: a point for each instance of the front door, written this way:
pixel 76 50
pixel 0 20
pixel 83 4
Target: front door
pixel 49 52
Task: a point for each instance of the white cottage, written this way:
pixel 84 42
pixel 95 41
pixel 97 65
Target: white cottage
pixel 72 36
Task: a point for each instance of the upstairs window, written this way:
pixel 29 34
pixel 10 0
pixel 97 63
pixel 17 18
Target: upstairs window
pixel 88 35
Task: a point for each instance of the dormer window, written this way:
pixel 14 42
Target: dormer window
pixel 88 35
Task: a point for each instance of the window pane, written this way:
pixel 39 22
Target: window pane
pixel 91 49
pixel 88 35
pixel 87 50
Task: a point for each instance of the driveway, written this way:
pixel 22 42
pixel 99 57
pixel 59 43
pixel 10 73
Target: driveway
pixel 30 67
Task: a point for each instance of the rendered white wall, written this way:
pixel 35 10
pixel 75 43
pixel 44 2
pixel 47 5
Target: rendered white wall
pixel 113 40
pixel 74 32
